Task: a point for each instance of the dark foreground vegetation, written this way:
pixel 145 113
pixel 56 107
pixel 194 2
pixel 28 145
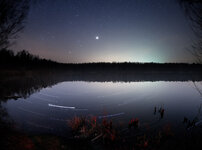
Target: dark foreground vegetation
pixel 88 133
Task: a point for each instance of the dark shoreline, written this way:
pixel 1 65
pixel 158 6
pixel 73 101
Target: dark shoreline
pixel 104 75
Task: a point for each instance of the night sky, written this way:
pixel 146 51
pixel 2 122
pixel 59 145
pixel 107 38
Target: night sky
pixel 76 31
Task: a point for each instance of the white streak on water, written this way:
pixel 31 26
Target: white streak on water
pixel 58 106
pixel 67 107
pixel 113 115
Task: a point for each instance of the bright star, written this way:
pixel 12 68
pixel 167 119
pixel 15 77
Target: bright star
pixel 97 38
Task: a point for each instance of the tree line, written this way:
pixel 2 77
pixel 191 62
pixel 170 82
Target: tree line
pixel 23 59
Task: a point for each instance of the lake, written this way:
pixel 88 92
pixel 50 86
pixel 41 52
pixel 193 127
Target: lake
pixel 49 108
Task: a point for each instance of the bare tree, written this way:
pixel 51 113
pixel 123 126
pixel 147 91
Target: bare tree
pixel 193 10
pixel 12 16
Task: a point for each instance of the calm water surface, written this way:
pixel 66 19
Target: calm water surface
pixel 49 110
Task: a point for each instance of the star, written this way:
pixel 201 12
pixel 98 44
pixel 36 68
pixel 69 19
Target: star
pixel 97 37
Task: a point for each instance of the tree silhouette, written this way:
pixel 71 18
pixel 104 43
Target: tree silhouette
pixel 193 10
pixel 12 16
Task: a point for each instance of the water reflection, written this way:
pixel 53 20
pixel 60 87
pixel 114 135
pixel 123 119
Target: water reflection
pixel 14 87
pixel 49 109
pixel 44 104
